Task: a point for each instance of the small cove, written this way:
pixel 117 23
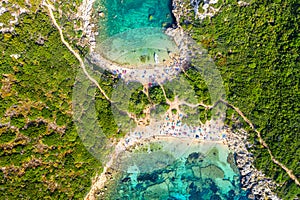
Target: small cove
pixel 205 171
pixel 131 32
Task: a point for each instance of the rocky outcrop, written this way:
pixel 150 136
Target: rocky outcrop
pixel 85 12
pixel 199 9
pixel 260 186
pixel 252 179
pixel 187 178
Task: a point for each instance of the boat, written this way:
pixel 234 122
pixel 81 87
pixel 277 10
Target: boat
pixel 156 58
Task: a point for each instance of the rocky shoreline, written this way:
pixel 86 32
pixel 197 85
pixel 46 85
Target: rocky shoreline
pixel 253 180
pixel 198 172
pixel 85 13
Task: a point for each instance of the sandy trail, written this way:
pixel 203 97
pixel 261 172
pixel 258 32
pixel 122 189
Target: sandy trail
pixel 100 180
pixel 82 65
pixel 262 142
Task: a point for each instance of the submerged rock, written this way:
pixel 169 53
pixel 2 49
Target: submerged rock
pixel 159 191
pixel 212 171
pixel 231 161
pixel 148 177
pixel 183 179
pixel 195 157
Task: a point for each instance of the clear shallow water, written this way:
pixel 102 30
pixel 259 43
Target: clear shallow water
pixel 124 15
pixel 207 174
pixel 138 47
pixel 203 173
pixel 131 31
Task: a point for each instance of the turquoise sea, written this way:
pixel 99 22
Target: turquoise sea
pixel 124 15
pixel 204 173
pixel 131 32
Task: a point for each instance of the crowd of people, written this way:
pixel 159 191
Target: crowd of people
pixel 172 126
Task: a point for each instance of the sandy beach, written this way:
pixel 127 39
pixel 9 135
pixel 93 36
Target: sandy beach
pixel 170 133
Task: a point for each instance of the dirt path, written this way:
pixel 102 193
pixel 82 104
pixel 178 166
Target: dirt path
pixel 100 180
pixel 50 9
pixel 262 142
pixel 82 65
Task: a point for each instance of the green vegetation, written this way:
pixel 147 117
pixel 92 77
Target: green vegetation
pixel 138 102
pixel 41 155
pixel 144 148
pixel 6 17
pixel 199 85
pixel 256 49
pixel 130 102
